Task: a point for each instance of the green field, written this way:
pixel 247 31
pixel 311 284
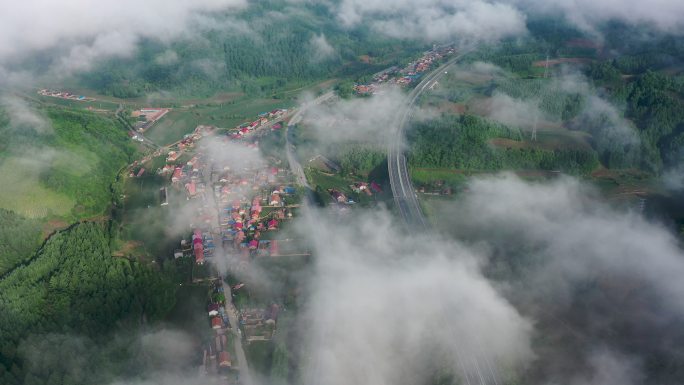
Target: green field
pixel 452 178
pixel 23 193
pixel 97 104
pixel 172 127
pixel 321 182
pixel 183 120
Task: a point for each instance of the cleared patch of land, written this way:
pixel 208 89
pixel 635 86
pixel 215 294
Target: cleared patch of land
pixel 23 193
pixel 182 121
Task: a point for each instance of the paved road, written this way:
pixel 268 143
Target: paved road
pixel 145 141
pixel 243 365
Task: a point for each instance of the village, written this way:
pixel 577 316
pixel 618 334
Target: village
pixel 236 208
pixel 407 75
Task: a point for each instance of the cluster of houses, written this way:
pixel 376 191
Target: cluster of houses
pixel 259 324
pixel 251 205
pixel 340 198
pixel 407 75
pixel 185 175
pixel 64 95
pixel 202 245
pixel 262 119
pixel 217 351
pixel 415 69
pixel 189 140
pixel 366 188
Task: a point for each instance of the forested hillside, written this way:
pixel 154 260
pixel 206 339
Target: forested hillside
pixel 463 142
pixel 60 171
pixel 654 101
pixel 98 142
pixel 624 95
pixel 274 44
pixel 74 287
pixel 19 238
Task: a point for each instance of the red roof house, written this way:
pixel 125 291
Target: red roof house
pixel 224 359
pixel 177 173
pixel 199 254
pixel 216 322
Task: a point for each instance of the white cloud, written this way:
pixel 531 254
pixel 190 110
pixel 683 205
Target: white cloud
pixel 86 30
pixel 387 308
pixel 491 20
pixel 369 120
pixel 22 116
pixel 514 112
pixel 167 57
pixel 587 14
pixel 598 275
pixel 435 19
pixel 321 48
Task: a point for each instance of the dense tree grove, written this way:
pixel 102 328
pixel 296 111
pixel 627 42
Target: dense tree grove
pixel 654 102
pixel 75 287
pixel 277 44
pixel 555 102
pixel 462 142
pixel 19 238
pixel 638 81
pixel 360 159
pixel 107 149
pixel 82 153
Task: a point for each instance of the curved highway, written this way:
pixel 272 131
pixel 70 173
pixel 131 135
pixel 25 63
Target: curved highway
pixel 295 166
pixel 476 367
pixel 402 190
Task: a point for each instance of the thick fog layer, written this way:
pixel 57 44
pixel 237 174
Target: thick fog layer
pixel 394 308
pixel 604 284
pixel 435 19
pixel 75 33
pixel 491 20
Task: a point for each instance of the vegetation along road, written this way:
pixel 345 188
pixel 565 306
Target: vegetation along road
pixel 295 166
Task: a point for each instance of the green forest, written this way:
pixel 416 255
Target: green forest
pixel 359 158
pixel 19 238
pixel 61 173
pixel 101 143
pixel 640 79
pixel 78 155
pixel 655 103
pixel 275 48
pixel 463 142
pixel 75 288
